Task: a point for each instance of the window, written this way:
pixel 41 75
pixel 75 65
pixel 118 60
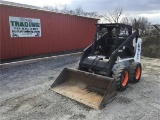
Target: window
pixel 124 32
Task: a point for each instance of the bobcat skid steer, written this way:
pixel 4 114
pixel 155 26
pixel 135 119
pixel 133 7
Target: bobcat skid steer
pixel 107 65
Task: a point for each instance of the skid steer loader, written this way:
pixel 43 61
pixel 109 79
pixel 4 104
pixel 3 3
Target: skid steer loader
pixel 107 65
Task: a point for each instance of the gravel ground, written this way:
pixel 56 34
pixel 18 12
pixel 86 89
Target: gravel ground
pixel 25 94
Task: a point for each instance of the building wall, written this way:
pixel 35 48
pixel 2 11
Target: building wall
pixel 0 34
pixel 150 29
pixel 60 32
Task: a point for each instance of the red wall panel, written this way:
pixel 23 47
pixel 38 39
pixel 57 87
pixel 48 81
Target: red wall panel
pixel 0 33
pixel 60 32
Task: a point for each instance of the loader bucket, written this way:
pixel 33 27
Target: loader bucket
pixel 90 89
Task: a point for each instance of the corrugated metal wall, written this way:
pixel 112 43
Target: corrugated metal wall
pixel 0 34
pixel 60 32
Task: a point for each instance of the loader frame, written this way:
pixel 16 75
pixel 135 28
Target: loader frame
pixel 107 65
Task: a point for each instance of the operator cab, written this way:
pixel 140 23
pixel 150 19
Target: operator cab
pixel 109 37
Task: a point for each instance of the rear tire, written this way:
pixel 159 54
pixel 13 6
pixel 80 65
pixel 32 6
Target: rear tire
pixel 121 76
pixel 135 70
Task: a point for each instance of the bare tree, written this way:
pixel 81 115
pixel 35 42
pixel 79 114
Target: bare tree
pixel 52 8
pixel 137 23
pixel 78 11
pixel 81 12
pixel 113 16
pixel 65 9
pixel 125 20
pixel 71 12
pixel 92 14
pixel 140 23
pixel 58 8
pixel 143 23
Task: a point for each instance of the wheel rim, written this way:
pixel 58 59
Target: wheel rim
pixel 138 73
pixel 125 78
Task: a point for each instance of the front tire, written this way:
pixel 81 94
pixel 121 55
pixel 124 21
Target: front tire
pixel 121 76
pixel 135 70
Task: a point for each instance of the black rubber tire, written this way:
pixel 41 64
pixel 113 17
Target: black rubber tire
pixel 118 73
pixel 132 70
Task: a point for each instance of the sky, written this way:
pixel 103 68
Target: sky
pixel 131 8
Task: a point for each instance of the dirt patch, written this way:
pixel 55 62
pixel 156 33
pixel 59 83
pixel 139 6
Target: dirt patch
pixel 77 116
pixel 124 100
